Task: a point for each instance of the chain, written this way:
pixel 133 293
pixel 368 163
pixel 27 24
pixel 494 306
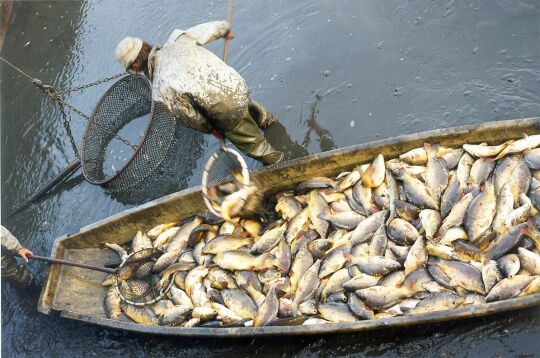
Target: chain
pixel 57 96
pixel 92 84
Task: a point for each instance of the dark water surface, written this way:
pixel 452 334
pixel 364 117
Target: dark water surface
pixel 336 73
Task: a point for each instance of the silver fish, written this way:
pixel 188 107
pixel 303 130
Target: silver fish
pixel 480 171
pixel 349 180
pixel 381 297
pixel 112 304
pixel 308 284
pixel 529 261
pixel 490 274
pixel 452 158
pixel 417 256
pixel 335 282
pixel 416 156
pixel 287 206
pixel 483 151
pixel 509 265
pixel 366 228
pixel 437 302
pixel 227 242
pixel 139 314
pixel 378 243
pixel 457 214
pixel 375 265
pixel 463 170
pixel 334 261
pixel 431 221
pixel 345 220
pixel 451 195
pixel 402 232
pixel 416 191
pixel 336 312
pixel 316 206
pixel 364 196
pixel 267 312
pixel 436 174
pixel 316 183
pixel 239 301
pixel 520 145
pixel 301 263
pixel 480 213
pixel 532 158
pixel 507 242
pixel 298 225
pixel 361 281
pixel 505 205
pixel 508 288
pixel 373 176
pixel 268 240
pixel 175 315
pixel 242 260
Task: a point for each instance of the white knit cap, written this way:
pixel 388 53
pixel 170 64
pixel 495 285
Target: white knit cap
pixel 127 50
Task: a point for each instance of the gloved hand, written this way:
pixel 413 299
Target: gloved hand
pixel 24 253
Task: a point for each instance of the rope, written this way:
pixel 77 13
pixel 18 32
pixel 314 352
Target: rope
pixel 57 96
pixel 229 20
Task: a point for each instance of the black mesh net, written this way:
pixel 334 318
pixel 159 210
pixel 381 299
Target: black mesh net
pixel 127 100
pixel 135 280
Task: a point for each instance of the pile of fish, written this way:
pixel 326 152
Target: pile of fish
pixel 437 228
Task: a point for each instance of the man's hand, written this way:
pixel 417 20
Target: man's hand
pixel 229 36
pixel 24 253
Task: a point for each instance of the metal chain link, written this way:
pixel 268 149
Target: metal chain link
pixel 57 96
pixel 67 127
pixel 92 84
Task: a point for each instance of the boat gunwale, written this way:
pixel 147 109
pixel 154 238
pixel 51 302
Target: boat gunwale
pixel 454 135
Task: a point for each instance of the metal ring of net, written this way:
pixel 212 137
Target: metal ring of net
pixel 225 169
pixel 127 99
pixel 135 281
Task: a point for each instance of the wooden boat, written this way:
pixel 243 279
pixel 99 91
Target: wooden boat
pixel 77 293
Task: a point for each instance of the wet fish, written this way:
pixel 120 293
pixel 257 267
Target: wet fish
pixel 407 211
pixel 366 228
pixel 319 247
pixel 308 283
pixel 436 173
pixel 364 196
pixel 267 312
pixel 402 232
pixel 118 249
pixel 317 205
pixel 381 297
pixel 480 171
pixel 335 282
pixel 490 274
pixel 452 158
pixel 239 302
pixel 139 314
pixel 140 242
pixel 381 196
pixel 506 242
pixel 483 151
pixel 112 304
pixel 453 234
pixel 316 183
pixel 175 315
pixel 416 191
pixel 508 288
pixel 520 145
pixel 361 281
pixel 480 213
pixel 451 195
pixel 416 156
pixel 350 179
pixel 336 312
pixel 298 225
pixel 521 214
pixel 287 206
pixel 334 261
pixel 442 251
pixel 374 174
pixel 529 261
pixel 532 158
pixel 345 220
pixel 157 230
pixel 463 170
pixel 431 221
pixel 519 181
pixel 457 215
pixel 268 240
pixel 377 245
pixel 509 265
pixel 438 301
pixel 301 263
pixel 375 265
pixel 417 256
pixel 463 275
pixel 505 205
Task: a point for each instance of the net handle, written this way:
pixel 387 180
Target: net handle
pixel 208 166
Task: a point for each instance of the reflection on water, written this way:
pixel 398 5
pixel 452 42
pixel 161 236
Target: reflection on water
pixel 334 72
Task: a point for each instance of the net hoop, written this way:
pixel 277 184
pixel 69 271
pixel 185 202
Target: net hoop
pixel 162 292
pixel 208 166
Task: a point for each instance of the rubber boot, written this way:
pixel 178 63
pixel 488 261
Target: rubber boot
pixel 248 138
pixel 18 275
pixel 260 114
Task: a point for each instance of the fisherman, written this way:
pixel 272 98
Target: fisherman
pixel 200 89
pixel 17 274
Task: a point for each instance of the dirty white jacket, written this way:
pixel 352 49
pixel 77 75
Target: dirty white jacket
pixel 9 242
pixel 194 84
